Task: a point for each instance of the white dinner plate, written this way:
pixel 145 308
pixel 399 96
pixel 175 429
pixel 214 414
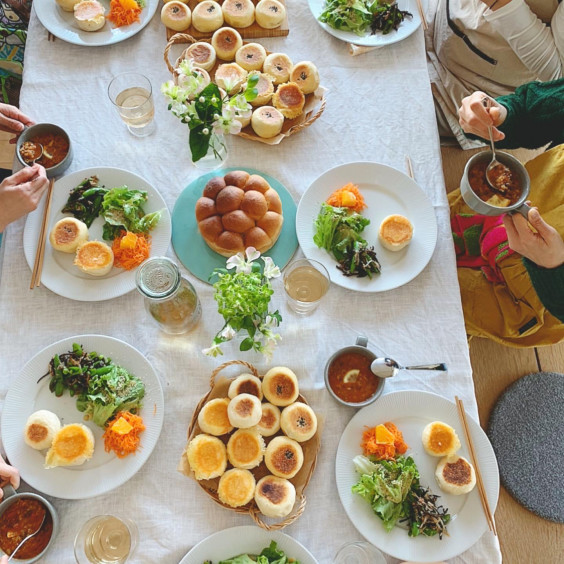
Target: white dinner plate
pixel 245 540
pixel 62 24
pixel 104 471
pixel 59 273
pixel 411 411
pixel 407 27
pixel 386 191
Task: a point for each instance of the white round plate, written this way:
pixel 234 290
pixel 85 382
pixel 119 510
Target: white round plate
pixel 411 411
pixel 104 471
pixel 59 273
pixel 407 27
pixel 245 540
pixel 62 24
pixel 386 191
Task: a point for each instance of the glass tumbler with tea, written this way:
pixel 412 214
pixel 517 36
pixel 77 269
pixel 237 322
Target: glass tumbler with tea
pixel 106 539
pixel 132 96
pixel 306 282
pixel 170 299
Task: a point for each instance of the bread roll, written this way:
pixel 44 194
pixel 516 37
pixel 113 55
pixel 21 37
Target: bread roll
pixel 270 13
pixel 275 497
pixel 267 122
pixel 89 15
pixel 245 448
pixel 72 445
pixel 269 423
pixel 67 234
pixel 280 386
pixel 207 457
pixel 251 56
pixel 245 384
pixel 244 411
pixel 440 439
pixel 265 90
pixel 207 16
pixel 237 178
pixel 395 232
pixel 455 475
pixel 202 55
pixel 213 418
pixel 306 76
pixel 238 13
pixel 230 77
pixel 94 257
pixel 41 428
pixel 236 487
pixel 299 422
pixel 279 66
pixel 289 100
pixel 226 41
pixel 284 457
pixel 176 15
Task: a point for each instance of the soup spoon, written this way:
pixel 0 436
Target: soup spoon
pixel 388 367
pixel 39 150
pixel 494 163
pixel 30 535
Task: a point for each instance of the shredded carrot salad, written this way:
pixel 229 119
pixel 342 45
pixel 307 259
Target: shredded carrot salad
pixel 123 443
pixel 131 249
pixel 347 197
pixel 124 12
pixel 382 445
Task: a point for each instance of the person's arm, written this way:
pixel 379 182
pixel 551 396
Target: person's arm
pixel 543 257
pixel 539 47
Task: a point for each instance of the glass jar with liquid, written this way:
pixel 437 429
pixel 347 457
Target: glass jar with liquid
pixel 170 299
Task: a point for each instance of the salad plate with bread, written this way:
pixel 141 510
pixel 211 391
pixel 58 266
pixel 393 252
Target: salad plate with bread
pixel 370 225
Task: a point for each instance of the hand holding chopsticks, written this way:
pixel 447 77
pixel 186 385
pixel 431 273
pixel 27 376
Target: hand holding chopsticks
pixel 479 481
pixel 40 252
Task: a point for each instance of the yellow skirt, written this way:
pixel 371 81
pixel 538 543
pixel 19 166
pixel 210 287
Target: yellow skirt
pixel 512 313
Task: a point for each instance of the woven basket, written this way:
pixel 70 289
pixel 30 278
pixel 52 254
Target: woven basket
pixel 315 102
pixel 304 476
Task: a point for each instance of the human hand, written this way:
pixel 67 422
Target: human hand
pixel 13 121
pixel 21 193
pixel 545 248
pixel 474 117
pixel 4 560
pixel 11 474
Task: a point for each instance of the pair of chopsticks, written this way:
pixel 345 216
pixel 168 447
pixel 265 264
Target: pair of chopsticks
pixel 40 252
pixel 479 481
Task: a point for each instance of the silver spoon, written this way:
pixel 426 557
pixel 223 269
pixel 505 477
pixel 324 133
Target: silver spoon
pixel 29 536
pixel 494 163
pixel 388 367
pixel 39 150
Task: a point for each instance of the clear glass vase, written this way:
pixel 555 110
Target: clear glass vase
pixel 216 155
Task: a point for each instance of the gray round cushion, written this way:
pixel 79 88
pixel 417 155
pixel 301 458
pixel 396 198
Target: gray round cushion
pixel 526 430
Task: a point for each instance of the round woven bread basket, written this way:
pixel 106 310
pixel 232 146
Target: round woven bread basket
pixel 251 508
pixel 290 126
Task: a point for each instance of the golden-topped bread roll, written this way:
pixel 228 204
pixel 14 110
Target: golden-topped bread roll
pixel 236 487
pixel 440 439
pixel 299 422
pixel 245 448
pixel 72 445
pixel 239 211
pixel 207 457
pixel 280 386
pixel 213 418
pixel 226 41
pixel 395 232
pixel 289 100
pixel 284 457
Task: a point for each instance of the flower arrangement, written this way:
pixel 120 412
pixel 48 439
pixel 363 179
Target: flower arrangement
pixel 243 298
pixel 199 104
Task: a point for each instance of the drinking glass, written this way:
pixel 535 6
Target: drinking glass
pixel 106 539
pixel 306 282
pixel 132 96
pixel 359 553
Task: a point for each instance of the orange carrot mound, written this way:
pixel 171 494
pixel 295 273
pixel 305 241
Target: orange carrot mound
pixel 123 444
pixel 131 249
pixel 380 451
pixel 348 196
pixel 124 12
pixel 400 445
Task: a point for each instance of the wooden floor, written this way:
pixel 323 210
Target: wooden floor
pixel 6 151
pixel 524 537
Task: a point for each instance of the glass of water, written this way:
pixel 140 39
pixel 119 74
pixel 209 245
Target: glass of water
pixel 359 553
pixel 132 96
pixel 306 282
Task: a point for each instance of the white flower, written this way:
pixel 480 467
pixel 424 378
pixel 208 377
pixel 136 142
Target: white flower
pixel 206 131
pixel 270 269
pixel 269 323
pixel 202 99
pixel 239 264
pixel 228 333
pixel 268 348
pixel 186 66
pixel 214 350
pixel 252 254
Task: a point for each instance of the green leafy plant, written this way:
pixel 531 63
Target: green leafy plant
pixel 202 107
pixel 243 299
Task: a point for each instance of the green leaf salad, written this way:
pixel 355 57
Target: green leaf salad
pixel 269 555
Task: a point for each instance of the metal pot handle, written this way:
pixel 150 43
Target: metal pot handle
pixel 9 491
pixel 524 210
pixel 361 341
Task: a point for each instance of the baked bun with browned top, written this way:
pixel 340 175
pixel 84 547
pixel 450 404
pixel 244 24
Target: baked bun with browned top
pixel 236 487
pixel 239 211
pixel 275 496
pixel 284 457
pixel 280 386
pixel 299 422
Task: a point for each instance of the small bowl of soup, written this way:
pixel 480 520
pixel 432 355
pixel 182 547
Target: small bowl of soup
pixel 20 515
pixel 348 376
pixel 511 180
pixel 57 150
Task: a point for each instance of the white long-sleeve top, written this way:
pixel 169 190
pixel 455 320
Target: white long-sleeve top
pixel 471 47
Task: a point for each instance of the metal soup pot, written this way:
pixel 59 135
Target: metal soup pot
pixel 10 497
pixel 477 204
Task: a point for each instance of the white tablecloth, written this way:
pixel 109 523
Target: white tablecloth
pixel 379 108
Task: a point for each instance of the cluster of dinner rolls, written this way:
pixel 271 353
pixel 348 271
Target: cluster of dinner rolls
pixel 282 87
pixel 209 15
pixel 237 211
pixel 250 413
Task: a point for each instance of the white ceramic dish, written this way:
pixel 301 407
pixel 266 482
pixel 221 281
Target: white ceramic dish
pixel 407 27
pixel 104 471
pixel 245 540
pixel 59 273
pixel 62 24
pixel 411 411
pixel 386 191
